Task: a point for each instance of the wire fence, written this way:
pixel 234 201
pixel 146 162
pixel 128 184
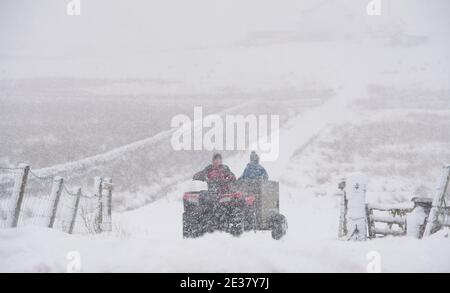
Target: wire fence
pixel 37 202
pixel 29 199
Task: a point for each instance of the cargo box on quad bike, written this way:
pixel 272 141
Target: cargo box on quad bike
pixel 250 205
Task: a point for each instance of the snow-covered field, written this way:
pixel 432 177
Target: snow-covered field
pixel 353 93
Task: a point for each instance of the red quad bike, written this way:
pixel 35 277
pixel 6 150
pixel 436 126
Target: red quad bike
pixel 250 205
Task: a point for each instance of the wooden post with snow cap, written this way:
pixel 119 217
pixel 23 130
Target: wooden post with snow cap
pixel 354 218
pixel 416 220
pixel 20 182
pixel 55 195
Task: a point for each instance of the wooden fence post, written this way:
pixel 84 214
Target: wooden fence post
pixel 57 188
pixel 107 223
pixel 98 184
pixel 20 182
pixel 343 210
pixel 74 215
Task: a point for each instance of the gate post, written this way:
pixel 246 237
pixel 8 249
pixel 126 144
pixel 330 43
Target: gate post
pixel 438 200
pixel 416 220
pixel 343 210
pixel 353 224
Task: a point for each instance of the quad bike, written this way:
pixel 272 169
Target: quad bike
pixel 249 205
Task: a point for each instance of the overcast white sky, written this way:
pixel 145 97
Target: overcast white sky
pixel 114 30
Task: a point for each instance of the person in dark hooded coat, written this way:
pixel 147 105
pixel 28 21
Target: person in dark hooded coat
pixel 217 175
pixel 254 170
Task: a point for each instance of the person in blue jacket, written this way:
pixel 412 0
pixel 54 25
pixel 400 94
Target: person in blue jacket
pixel 254 170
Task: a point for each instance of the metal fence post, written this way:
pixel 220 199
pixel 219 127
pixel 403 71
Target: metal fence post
pixel 57 188
pixel 74 216
pixel 20 183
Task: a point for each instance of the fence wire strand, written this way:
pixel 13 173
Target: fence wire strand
pixel 37 201
pixel 37 206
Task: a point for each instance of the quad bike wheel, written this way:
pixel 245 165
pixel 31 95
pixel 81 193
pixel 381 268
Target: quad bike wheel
pixel 237 224
pixel 237 229
pixel 191 227
pixel 279 226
